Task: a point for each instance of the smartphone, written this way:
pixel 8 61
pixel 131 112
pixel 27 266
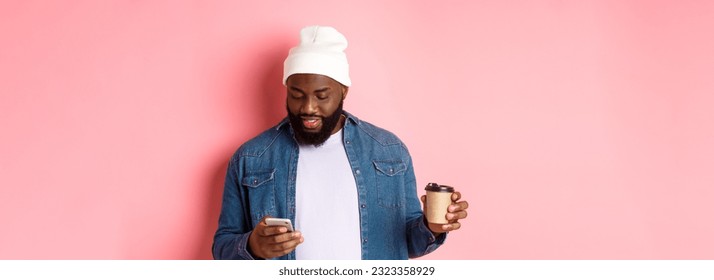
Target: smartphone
pixel 279 222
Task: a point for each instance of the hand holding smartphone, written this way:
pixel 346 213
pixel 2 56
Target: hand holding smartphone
pixel 262 241
pixel 280 222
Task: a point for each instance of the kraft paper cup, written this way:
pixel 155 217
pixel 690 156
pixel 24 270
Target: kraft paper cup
pixel 438 199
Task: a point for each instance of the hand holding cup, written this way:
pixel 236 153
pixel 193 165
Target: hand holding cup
pixel 442 208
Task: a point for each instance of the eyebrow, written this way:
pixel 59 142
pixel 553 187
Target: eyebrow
pixel 320 90
pixel 296 89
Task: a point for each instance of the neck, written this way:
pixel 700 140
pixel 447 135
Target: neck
pixel 340 124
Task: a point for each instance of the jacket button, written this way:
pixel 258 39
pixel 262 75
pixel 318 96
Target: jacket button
pixel 348 141
pixel 363 205
pixel 364 241
pixel 357 171
pixel 255 181
pixel 391 170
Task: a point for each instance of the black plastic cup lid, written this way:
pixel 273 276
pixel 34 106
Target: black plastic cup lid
pixel 434 187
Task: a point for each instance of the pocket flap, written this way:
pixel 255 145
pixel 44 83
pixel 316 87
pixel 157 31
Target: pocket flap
pixel 390 167
pixel 256 178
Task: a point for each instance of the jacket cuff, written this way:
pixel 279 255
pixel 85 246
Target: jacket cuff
pixel 434 242
pixel 422 240
pixel 242 247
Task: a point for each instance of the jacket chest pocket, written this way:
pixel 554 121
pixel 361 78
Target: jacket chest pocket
pixel 260 185
pixel 390 182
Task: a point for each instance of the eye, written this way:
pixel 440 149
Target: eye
pixel 322 96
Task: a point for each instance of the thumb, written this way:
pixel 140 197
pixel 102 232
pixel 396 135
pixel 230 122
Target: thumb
pixel 262 221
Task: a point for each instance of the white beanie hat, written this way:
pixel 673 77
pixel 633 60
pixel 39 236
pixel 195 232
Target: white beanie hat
pixel 321 51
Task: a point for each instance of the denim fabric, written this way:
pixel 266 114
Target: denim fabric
pixel 261 181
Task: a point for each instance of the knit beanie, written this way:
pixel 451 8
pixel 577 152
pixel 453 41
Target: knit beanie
pixel 321 51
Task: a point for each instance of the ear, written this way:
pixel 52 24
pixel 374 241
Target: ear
pixel 344 92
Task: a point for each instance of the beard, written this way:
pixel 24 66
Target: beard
pixel 314 138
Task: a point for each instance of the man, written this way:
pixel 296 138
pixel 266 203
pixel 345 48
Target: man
pixel 347 185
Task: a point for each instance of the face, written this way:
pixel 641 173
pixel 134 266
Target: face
pixel 314 105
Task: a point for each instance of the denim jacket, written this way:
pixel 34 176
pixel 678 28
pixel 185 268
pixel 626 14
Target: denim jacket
pixel 261 181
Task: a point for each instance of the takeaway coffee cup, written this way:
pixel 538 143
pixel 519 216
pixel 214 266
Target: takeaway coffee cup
pixel 438 199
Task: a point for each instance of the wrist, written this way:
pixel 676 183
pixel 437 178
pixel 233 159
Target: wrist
pixel 249 248
pixel 429 227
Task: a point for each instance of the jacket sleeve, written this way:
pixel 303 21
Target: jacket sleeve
pixel 420 240
pixel 231 238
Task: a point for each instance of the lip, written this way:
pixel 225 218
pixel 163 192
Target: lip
pixel 311 123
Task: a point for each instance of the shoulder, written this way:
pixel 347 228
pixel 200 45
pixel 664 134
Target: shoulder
pixel 378 134
pixel 259 144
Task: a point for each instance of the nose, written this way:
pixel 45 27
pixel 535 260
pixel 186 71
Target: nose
pixel 309 106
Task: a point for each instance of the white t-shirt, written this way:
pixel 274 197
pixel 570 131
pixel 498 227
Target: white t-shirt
pixel 327 212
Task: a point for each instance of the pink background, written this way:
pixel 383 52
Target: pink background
pixel 576 129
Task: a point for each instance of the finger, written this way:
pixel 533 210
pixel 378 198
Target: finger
pixel 459 206
pixel 451 226
pixel 423 199
pixel 285 237
pixel 286 247
pixel 261 226
pixel 464 205
pixel 455 196
pixel 267 230
pixel 452 217
pixel 262 221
